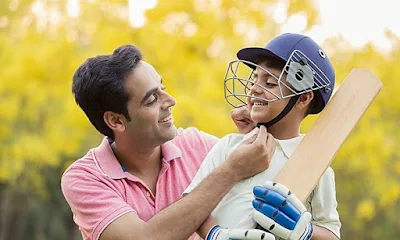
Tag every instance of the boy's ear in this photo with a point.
(114, 121)
(305, 100)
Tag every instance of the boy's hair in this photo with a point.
(275, 62)
(99, 85)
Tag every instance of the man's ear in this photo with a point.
(305, 100)
(115, 121)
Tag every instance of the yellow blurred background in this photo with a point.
(42, 130)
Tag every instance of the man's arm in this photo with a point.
(184, 217)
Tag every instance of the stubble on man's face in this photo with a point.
(149, 107)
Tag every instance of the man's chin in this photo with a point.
(170, 133)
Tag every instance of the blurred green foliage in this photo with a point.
(190, 43)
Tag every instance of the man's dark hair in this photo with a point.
(99, 85)
(275, 62)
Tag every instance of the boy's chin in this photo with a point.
(259, 117)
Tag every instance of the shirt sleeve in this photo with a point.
(323, 204)
(94, 203)
(213, 159)
(209, 139)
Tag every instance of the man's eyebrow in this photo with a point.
(148, 94)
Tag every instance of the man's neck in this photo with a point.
(138, 159)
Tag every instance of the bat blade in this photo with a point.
(317, 149)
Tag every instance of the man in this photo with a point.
(123, 189)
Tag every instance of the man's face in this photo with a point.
(149, 107)
(262, 111)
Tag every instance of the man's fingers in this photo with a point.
(241, 114)
(251, 136)
(262, 135)
(241, 118)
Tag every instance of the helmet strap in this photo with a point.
(281, 115)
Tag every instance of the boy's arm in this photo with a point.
(205, 228)
(323, 205)
(321, 233)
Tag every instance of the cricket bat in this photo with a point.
(318, 148)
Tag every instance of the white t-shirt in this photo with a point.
(237, 204)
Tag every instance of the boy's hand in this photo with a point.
(280, 212)
(241, 118)
(218, 233)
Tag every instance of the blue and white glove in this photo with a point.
(218, 233)
(280, 212)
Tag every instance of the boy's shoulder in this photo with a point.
(231, 140)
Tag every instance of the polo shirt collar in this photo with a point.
(170, 151)
(289, 145)
(109, 165)
(106, 161)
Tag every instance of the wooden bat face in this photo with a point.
(321, 143)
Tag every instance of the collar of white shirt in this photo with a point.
(289, 145)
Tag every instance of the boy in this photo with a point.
(290, 78)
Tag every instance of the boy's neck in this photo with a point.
(282, 130)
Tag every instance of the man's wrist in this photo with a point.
(231, 171)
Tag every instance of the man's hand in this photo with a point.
(218, 233)
(253, 155)
(241, 118)
(280, 212)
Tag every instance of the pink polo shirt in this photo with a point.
(99, 191)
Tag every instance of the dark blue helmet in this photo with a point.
(307, 65)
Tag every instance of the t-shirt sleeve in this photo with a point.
(209, 139)
(93, 202)
(213, 159)
(324, 205)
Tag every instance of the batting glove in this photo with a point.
(280, 212)
(218, 233)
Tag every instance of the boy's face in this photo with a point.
(263, 111)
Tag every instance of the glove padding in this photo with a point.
(280, 212)
(218, 233)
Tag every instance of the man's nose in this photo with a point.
(169, 101)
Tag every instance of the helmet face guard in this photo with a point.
(302, 76)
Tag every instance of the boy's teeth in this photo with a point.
(260, 104)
